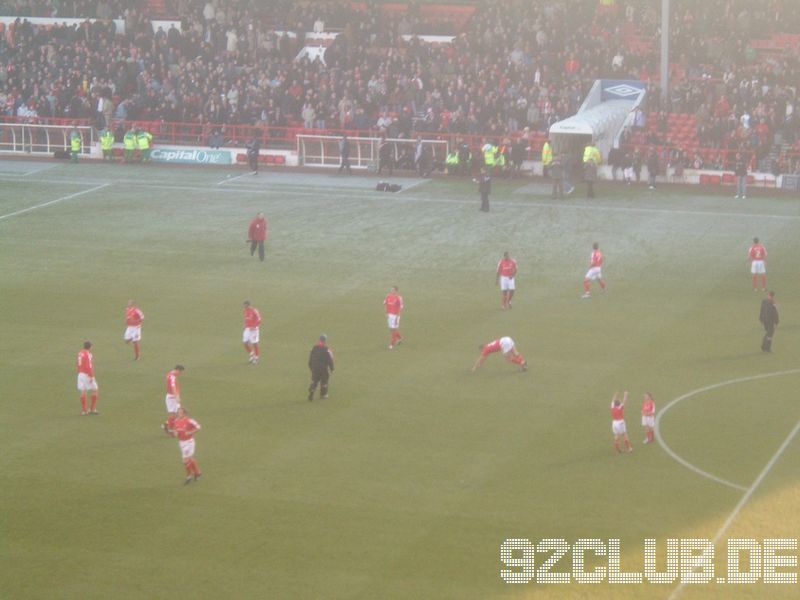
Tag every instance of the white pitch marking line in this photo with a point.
(229, 178)
(62, 199)
(687, 395)
(39, 170)
(747, 495)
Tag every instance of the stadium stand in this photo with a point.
(513, 68)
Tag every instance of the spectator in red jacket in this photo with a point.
(257, 234)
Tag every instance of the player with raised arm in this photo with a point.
(133, 327)
(648, 417)
(250, 335)
(86, 381)
(758, 257)
(185, 428)
(507, 347)
(618, 422)
(595, 272)
(506, 272)
(394, 306)
(172, 398)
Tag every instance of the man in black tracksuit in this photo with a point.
(320, 361)
(769, 319)
(484, 182)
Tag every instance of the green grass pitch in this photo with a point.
(405, 483)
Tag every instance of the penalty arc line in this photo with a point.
(746, 497)
(676, 457)
(50, 202)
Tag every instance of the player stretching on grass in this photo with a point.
(185, 428)
(595, 272)
(507, 347)
(506, 272)
(758, 255)
(618, 422)
(394, 306)
(648, 417)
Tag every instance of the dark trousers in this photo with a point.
(345, 165)
(590, 189)
(321, 378)
(558, 188)
(485, 201)
(766, 343)
(257, 244)
(253, 162)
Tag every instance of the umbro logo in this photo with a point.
(624, 90)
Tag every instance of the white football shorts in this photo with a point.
(86, 383)
(133, 333)
(250, 335)
(648, 421)
(506, 283)
(393, 321)
(618, 427)
(758, 267)
(173, 403)
(594, 273)
(506, 345)
(187, 448)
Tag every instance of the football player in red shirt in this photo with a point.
(648, 417)
(257, 234)
(252, 320)
(509, 349)
(595, 272)
(133, 329)
(394, 306)
(618, 422)
(86, 380)
(172, 398)
(185, 428)
(757, 256)
(506, 272)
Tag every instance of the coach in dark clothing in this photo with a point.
(769, 319)
(252, 154)
(320, 361)
(485, 188)
(652, 169)
(344, 150)
(556, 174)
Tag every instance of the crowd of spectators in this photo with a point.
(517, 64)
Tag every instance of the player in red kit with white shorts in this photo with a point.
(133, 327)
(250, 335)
(185, 428)
(649, 417)
(618, 422)
(172, 398)
(86, 381)
(507, 347)
(394, 306)
(758, 264)
(595, 272)
(506, 273)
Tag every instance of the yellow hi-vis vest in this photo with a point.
(129, 141)
(547, 154)
(591, 153)
(144, 140)
(488, 156)
(75, 141)
(452, 158)
(107, 140)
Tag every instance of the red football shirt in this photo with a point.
(617, 412)
(257, 230)
(173, 386)
(507, 267)
(758, 252)
(393, 303)
(252, 318)
(648, 408)
(133, 316)
(85, 363)
(596, 259)
(185, 428)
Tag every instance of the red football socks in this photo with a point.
(83, 402)
(255, 349)
(247, 347)
(94, 401)
(136, 349)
